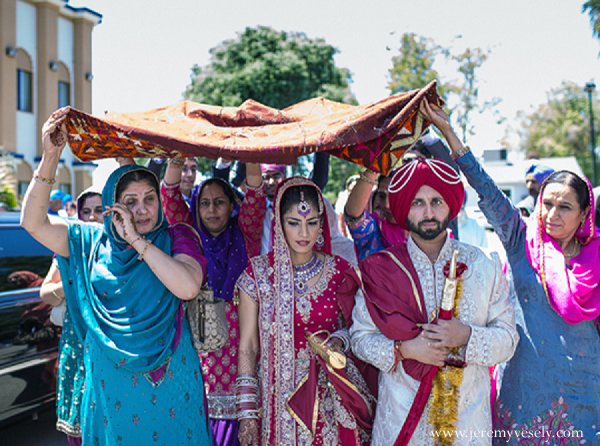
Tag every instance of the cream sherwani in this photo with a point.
(485, 306)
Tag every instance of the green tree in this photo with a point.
(592, 7)
(413, 68)
(560, 127)
(8, 195)
(467, 92)
(275, 68)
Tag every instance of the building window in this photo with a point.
(64, 94)
(24, 91)
(65, 188)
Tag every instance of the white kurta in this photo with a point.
(485, 307)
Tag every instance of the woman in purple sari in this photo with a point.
(230, 234)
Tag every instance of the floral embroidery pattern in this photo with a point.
(550, 427)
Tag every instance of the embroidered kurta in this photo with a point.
(484, 306)
(70, 378)
(552, 383)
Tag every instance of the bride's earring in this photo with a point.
(320, 239)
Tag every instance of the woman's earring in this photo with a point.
(320, 239)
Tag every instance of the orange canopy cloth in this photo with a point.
(373, 135)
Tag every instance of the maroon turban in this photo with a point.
(408, 179)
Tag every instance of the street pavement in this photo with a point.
(28, 432)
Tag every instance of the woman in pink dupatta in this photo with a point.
(284, 295)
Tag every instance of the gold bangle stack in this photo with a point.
(363, 176)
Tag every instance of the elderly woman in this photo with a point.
(127, 283)
(551, 387)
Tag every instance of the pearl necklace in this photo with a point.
(303, 273)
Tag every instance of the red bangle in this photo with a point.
(398, 358)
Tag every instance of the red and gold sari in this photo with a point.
(303, 400)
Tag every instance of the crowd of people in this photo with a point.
(382, 321)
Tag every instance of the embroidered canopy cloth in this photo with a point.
(373, 135)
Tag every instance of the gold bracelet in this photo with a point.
(133, 241)
(42, 180)
(176, 162)
(363, 176)
(462, 151)
(143, 253)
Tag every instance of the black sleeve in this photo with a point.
(320, 173)
(222, 173)
(240, 174)
(157, 166)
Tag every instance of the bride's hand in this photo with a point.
(248, 434)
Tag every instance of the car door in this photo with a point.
(28, 341)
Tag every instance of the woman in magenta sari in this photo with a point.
(284, 296)
(230, 234)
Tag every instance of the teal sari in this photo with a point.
(143, 383)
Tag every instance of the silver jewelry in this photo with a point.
(320, 239)
(303, 273)
(303, 206)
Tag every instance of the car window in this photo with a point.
(23, 261)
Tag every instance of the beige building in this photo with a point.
(45, 63)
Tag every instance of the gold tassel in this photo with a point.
(443, 402)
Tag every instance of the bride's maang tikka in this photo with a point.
(303, 207)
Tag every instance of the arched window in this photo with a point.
(24, 82)
(64, 86)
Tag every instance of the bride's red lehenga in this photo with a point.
(329, 407)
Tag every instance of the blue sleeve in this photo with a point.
(497, 207)
(366, 236)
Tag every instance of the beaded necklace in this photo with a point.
(303, 273)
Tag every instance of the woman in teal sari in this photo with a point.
(127, 284)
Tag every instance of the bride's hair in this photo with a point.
(291, 197)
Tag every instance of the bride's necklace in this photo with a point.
(306, 271)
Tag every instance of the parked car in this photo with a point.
(28, 340)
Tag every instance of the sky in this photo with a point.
(143, 50)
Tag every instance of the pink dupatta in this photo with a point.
(574, 293)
